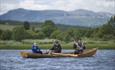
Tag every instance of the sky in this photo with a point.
(67, 5)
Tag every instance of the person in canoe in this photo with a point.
(36, 49)
(56, 47)
(78, 46)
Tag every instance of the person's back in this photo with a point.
(56, 47)
(36, 49)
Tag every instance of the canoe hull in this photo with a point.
(87, 53)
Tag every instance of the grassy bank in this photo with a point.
(26, 44)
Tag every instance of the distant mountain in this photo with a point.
(78, 17)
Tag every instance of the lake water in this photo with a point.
(103, 60)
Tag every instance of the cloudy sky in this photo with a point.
(67, 5)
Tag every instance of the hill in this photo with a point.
(79, 17)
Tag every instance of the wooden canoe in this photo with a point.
(87, 53)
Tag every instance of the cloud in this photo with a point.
(6, 7)
(30, 4)
(68, 5)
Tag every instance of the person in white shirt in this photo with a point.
(78, 46)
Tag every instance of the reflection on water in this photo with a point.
(103, 60)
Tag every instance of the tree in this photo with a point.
(33, 28)
(26, 25)
(71, 32)
(48, 28)
(56, 34)
(19, 33)
(6, 35)
(0, 32)
(107, 30)
(89, 32)
(67, 37)
(41, 35)
(35, 35)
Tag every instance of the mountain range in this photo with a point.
(80, 17)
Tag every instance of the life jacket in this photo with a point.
(56, 48)
(79, 45)
(35, 48)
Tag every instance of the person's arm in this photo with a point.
(37, 48)
(32, 47)
(84, 47)
(60, 47)
(52, 47)
(74, 46)
(51, 50)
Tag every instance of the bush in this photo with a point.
(108, 37)
(38, 41)
(6, 35)
(56, 34)
(0, 32)
(19, 33)
(48, 28)
(26, 25)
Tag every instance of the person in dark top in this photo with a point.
(78, 46)
(56, 47)
(36, 49)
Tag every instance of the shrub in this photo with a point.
(6, 35)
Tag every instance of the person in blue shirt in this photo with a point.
(36, 49)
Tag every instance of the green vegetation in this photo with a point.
(47, 43)
(107, 31)
(22, 34)
(6, 35)
(26, 25)
(48, 28)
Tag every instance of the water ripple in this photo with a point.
(103, 60)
